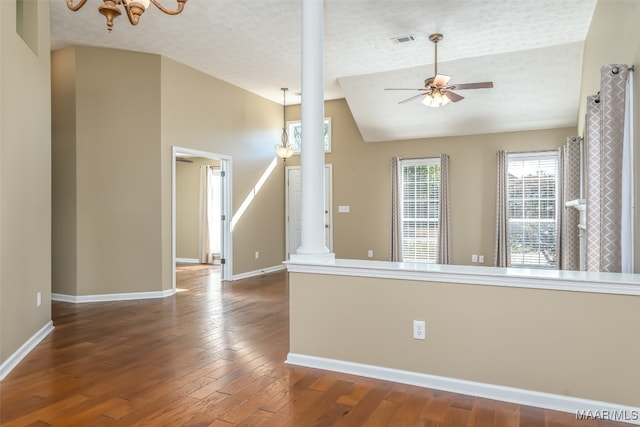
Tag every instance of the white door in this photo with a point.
(225, 231)
(293, 208)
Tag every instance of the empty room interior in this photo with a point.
(319, 212)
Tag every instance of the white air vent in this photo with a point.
(403, 39)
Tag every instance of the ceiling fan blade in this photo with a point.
(412, 98)
(482, 85)
(453, 97)
(441, 80)
(395, 88)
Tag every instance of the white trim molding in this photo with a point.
(78, 299)
(24, 350)
(555, 402)
(257, 273)
(562, 280)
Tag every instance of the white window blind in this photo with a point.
(532, 211)
(420, 195)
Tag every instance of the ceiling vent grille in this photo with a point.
(403, 39)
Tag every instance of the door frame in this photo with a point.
(227, 244)
(329, 244)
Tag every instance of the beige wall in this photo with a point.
(362, 180)
(63, 177)
(25, 186)
(188, 207)
(614, 38)
(567, 343)
(203, 113)
(579, 345)
(118, 186)
(117, 170)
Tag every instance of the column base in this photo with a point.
(323, 258)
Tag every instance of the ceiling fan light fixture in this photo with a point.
(436, 99)
(436, 91)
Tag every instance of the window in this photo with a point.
(294, 129)
(420, 196)
(532, 211)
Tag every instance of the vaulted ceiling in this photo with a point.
(531, 51)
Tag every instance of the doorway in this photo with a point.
(217, 168)
(293, 208)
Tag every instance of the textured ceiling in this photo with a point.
(531, 50)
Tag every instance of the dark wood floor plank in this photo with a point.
(482, 413)
(213, 355)
(456, 417)
(366, 405)
(382, 414)
(47, 412)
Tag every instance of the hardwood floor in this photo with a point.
(213, 355)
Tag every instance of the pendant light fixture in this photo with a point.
(284, 150)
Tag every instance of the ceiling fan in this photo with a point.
(437, 91)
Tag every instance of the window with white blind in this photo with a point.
(532, 211)
(420, 196)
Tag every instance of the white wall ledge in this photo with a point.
(574, 281)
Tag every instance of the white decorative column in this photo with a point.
(313, 247)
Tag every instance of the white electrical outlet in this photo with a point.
(38, 299)
(257, 254)
(481, 259)
(419, 330)
(474, 258)
(370, 253)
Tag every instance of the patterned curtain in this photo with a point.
(502, 256)
(444, 246)
(568, 218)
(593, 158)
(605, 137)
(627, 231)
(396, 213)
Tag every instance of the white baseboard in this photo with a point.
(259, 272)
(24, 350)
(611, 411)
(188, 260)
(77, 299)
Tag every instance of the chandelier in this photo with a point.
(133, 8)
(284, 150)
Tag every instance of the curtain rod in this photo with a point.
(419, 158)
(532, 151)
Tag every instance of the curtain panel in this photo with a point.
(567, 217)
(593, 160)
(502, 256)
(396, 211)
(444, 245)
(627, 230)
(605, 124)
